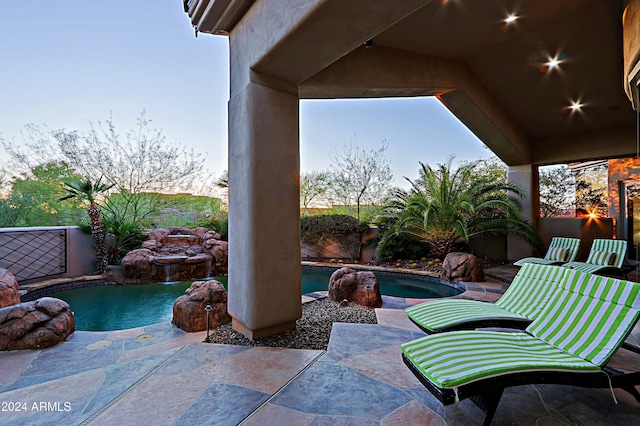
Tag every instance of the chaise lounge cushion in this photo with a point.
(459, 357)
(609, 255)
(579, 330)
(522, 302)
(556, 253)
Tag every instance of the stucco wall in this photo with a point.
(587, 229)
(35, 253)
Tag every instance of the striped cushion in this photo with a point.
(581, 327)
(438, 315)
(536, 260)
(597, 257)
(619, 247)
(590, 316)
(570, 244)
(530, 289)
(559, 254)
(524, 299)
(459, 357)
(584, 267)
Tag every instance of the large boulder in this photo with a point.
(188, 309)
(219, 250)
(35, 325)
(459, 266)
(114, 274)
(9, 294)
(358, 287)
(137, 264)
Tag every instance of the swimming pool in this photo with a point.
(127, 306)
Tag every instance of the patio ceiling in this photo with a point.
(546, 88)
(513, 61)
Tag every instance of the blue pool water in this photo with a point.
(128, 306)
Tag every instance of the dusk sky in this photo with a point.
(66, 63)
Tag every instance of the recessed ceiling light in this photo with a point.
(576, 106)
(553, 62)
(511, 18)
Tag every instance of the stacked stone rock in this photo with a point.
(31, 325)
(359, 287)
(189, 309)
(177, 254)
(459, 266)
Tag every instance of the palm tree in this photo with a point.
(85, 190)
(445, 207)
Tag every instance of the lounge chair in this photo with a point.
(561, 250)
(605, 256)
(530, 289)
(570, 342)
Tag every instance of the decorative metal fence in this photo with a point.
(34, 254)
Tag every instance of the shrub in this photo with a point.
(218, 223)
(345, 230)
(125, 236)
(402, 246)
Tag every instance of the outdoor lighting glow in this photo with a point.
(553, 62)
(592, 212)
(576, 106)
(510, 18)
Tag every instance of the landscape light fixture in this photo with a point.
(208, 309)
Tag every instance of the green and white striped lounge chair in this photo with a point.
(604, 256)
(570, 342)
(529, 291)
(561, 250)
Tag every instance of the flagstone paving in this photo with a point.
(159, 375)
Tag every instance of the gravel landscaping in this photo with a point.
(313, 329)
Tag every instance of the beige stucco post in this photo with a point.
(526, 178)
(264, 216)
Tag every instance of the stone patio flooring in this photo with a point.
(159, 375)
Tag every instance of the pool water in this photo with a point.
(128, 306)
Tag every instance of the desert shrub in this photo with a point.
(218, 223)
(345, 230)
(401, 246)
(124, 237)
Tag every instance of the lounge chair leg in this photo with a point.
(488, 403)
(632, 390)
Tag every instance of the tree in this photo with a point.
(34, 199)
(360, 175)
(4, 181)
(85, 190)
(446, 207)
(141, 162)
(592, 188)
(313, 187)
(557, 187)
(490, 168)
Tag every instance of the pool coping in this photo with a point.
(470, 290)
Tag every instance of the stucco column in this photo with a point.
(264, 213)
(526, 178)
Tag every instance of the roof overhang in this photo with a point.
(216, 16)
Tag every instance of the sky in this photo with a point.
(69, 63)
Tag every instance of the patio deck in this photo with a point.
(161, 375)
